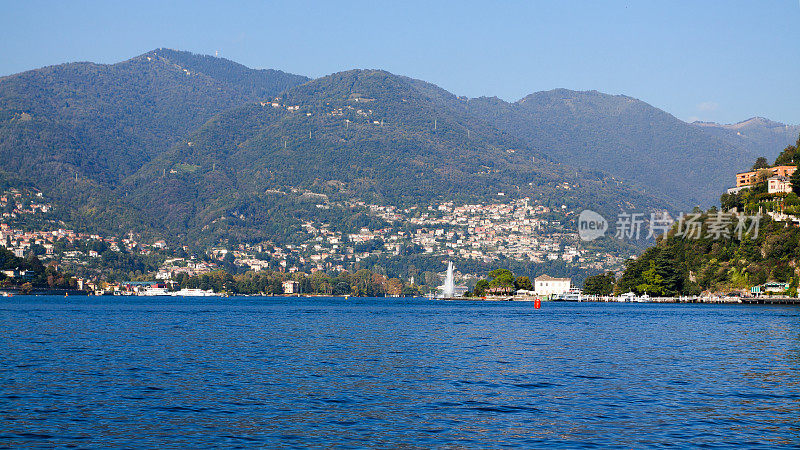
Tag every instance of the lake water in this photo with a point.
(152, 372)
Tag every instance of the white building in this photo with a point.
(546, 285)
(779, 185)
(291, 287)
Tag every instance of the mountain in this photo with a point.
(76, 130)
(630, 139)
(107, 120)
(189, 145)
(757, 135)
(364, 135)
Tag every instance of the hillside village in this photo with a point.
(518, 229)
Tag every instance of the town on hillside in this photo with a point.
(369, 260)
(516, 230)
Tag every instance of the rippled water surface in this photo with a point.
(102, 372)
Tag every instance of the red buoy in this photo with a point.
(537, 304)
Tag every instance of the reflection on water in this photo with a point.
(287, 372)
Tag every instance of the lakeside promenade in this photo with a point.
(766, 300)
(775, 300)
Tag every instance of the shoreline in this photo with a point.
(520, 299)
(704, 300)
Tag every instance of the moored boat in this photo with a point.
(187, 292)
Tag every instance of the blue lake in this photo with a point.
(269, 372)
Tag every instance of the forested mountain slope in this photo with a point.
(363, 135)
(75, 130)
(636, 142)
(173, 142)
(758, 136)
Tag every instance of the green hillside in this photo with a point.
(76, 130)
(679, 265)
(359, 135)
(176, 144)
(625, 137)
(732, 249)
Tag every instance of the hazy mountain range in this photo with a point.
(189, 145)
(757, 135)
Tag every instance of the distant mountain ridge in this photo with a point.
(760, 122)
(623, 136)
(758, 136)
(176, 142)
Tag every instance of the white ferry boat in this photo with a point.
(631, 297)
(153, 292)
(185, 292)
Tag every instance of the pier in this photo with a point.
(772, 301)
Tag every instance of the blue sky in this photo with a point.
(721, 61)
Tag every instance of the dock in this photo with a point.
(773, 300)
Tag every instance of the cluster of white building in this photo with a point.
(190, 267)
(515, 230)
(486, 232)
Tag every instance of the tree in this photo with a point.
(480, 288)
(668, 268)
(410, 291)
(602, 284)
(523, 283)
(760, 185)
(33, 263)
(502, 279)
(497, 273)
(795, 179)
(227, 262)
(792, 199)
(731, 201)
(789, 155)
(763, 175)
(394, 287)
(26, 288)
(653, 282)
(761, 163)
